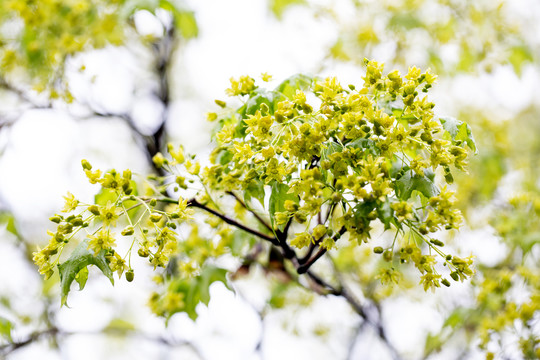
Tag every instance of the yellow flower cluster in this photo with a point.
(150, 227)
(357, 155)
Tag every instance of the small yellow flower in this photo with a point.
(242, 86)
(104, 239)
(109, 214)
(302, 240)
(71, 203)
(178, 154)
(266, 77)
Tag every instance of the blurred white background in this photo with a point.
(41, 162)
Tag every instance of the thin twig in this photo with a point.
(257, 216)
(306, 264)
(228, 220)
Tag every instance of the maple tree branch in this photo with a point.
(228, 220)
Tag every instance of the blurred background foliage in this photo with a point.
(496, 315)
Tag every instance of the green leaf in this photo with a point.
(361, 211)
(367, 145)
(278, 296)
(459, 131)
(119, 326)
(520, 55)
(468, 59)
(385, 214)
(277, 199)
(209, 275)
(406, 21)
(5, 328)
(77, 262)
(457, 318)
(255, 189)
(278, 7)
(433, 343)
(184, 20)
(131, 6)
(82, 277)
(224, 157)
(259, 97)
(331, 147)
(104, 196)
(187, 24)
(9, 220)
(241, 240)
(425, 185)
(296, 82)
(253, 104)
(196, 289)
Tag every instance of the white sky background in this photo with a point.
(42, 162)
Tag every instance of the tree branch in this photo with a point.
(228, 220)
(4, 84)
(307, 264)
(13, 346)
(54, 331)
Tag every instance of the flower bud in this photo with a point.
(128, 231)
(319, 231)
(94, 209)
(300, 217)
(436, 242)
(77, 221)
(159, 160)
(281, 218)
(130, 275)
(290, 205)
(336, 197)
(143, 252)
(264, 108)
(220, 103)
(308, 109)
(56, 219)
(378, 250)
(86, 165)
(48, 274)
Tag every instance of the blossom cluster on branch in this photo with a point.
(307, 166)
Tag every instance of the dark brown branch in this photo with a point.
(228, 220)
(306, 264)
(163, 50)
(308, 254)
(319, 285)
(304, 267)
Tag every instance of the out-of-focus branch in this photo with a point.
(23, 95)
(54, 332)
(16, 345)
